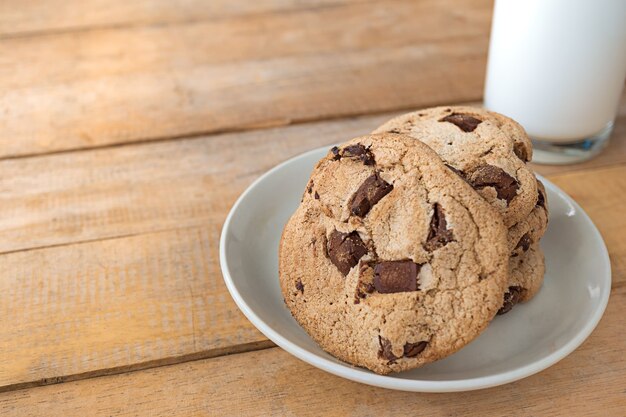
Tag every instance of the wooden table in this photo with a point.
(127, 131)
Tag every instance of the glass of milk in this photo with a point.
(558, 68)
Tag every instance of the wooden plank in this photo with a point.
(100, 306)
(104, 193)
(589, 382)
(32, 17)
(129, 84)
(113, 305)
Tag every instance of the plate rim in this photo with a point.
(364, 376)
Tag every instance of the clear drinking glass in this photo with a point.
(558, 68)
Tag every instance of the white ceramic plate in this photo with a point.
(530, 338)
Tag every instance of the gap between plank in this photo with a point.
(239, 129)
(174, 360)
(100, 239)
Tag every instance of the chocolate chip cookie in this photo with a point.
(526, 266)
(392, 260)
(486, 149)
(528, 231)
(526, 273)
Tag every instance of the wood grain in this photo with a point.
(102, 306)
(104, 193)
(34, 18)
(114, 305)
(602, 194)
(128, 84)
(589, 382)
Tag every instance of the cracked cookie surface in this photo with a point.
(487, 149)
(392, 261)
(526, 265)
(526, 273)
(531, 229)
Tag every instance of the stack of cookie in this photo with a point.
(491, 152)
(409, 241)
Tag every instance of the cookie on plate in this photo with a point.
(488, 149)
(525, 278)
(528, 231)
(526, 266)
(392, 260)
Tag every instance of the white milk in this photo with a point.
(557, 66)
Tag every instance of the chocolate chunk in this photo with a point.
(490, 176)
(541, 199)
(395, 130)
(362, 291)
(354, 151)
(465, 122)
(300, 286)
(360, 152)
(385, 350)
(511, 297)
(411, 350)
(345, 250)
(439, 234)
(520, 151)
(316, 195)
(365, 285)
(523, 243)
(396, 276)
(369, 193)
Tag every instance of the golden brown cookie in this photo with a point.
(526, 266)
(526, 273)
(487, 149)
(392, 260)
(528, 231)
